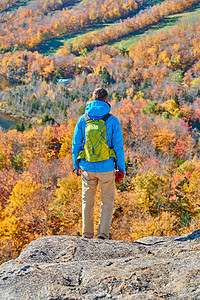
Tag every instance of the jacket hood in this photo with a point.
(97, 109)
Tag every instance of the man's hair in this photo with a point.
(100, 94)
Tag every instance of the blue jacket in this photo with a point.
(96, 110)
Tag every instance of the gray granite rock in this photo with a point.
(65, 267)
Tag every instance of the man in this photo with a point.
(103, 171)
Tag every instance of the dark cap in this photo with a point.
(100, 94)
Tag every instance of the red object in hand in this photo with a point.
(78, 172)
(119, 176)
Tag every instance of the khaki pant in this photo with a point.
(90, 181)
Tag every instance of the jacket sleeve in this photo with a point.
(78, 138)
(118, 145)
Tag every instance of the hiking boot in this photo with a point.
(87, 237)
(101, 237)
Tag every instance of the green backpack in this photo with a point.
(96, 147)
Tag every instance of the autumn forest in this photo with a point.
(154, 91)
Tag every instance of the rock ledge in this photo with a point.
(66, 267)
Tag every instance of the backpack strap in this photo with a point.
(87, 118)
(105, 118)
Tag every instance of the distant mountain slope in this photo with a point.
(143, 20)
(41, 22)
(14, 5)
(7, 5)
(167, 23)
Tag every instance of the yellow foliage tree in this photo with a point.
(32, 145)
(191, 188)
(21, 217)
(162, 225)
(151, 192)
(11, 144)
(66, 206)
(65, 136)
(163, 138)
(170, 106)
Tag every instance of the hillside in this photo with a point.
(154, 91)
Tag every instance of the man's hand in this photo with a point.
(119, 175)
(78, 172)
